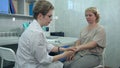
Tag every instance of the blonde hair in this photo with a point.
(95, 12)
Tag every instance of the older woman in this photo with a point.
(91, 43)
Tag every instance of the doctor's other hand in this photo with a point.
(69, 55)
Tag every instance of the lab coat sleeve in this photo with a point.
(50, 47)
(39, 49)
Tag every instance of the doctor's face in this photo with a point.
(47, 18)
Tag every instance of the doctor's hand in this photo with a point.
(69, 55)
(70, 49)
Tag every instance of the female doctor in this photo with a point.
(33, 49)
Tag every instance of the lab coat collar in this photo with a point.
(38, 27)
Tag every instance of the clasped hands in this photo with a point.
(70, 53)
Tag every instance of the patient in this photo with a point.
(91, 43)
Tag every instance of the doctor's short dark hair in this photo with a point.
(43, 7)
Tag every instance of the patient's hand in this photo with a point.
(68, 53)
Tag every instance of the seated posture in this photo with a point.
(33, 48)
(91, 43)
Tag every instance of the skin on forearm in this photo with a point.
(65, 54)
(87, 46)
(77, 43)
(57, 57)
(62, 49)
(55, 49)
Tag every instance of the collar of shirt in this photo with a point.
(37, 25)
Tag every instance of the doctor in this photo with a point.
(33, 49)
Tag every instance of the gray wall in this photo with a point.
(8, 25)
(72, 20)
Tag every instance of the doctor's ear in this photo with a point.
(40, 15)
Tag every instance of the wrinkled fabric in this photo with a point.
(33, 49)
(98, 35)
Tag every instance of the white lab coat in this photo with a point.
(33, 49)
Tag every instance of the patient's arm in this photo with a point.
(88, 45)
(77, 43)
